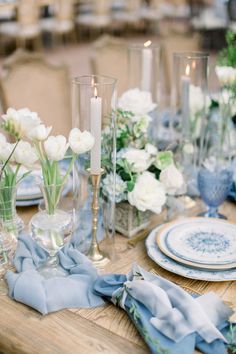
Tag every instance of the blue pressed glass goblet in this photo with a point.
(214, 186)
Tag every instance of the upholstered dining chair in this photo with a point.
(130, 15)
(98, 19)
(27, 80)
(27, 25)
(110, 57)
(62, 23)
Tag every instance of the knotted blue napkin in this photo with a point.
(48, 295)
(169, 319)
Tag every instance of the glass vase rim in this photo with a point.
(10, 187)
(108, 80)
(191, 55)
(140, 46)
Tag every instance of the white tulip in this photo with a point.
(137, 102)
(139, 160)
(148, 193)
(80, 142)
(3, 139)
(40, 132)
(25, 154)
(172, 179)
(5, 151)
(21, 121)
(55, 147)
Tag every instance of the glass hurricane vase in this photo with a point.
(51, 228)
(94, 105)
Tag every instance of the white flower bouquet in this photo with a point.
(49, 150)
(226, 73)
(144, 175)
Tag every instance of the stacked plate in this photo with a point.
(197, 248)
(29, 193)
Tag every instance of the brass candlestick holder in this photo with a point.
(98, 258)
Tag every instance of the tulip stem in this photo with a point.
(8, 159)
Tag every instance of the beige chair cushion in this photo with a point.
(29, 81)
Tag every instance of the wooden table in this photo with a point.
(105, 329)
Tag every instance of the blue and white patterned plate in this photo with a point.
(34, 196)
(169, 264)
(203, 241)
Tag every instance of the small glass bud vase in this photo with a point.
(8, 243)
(94, 104)
(51, 228)
(9, 219)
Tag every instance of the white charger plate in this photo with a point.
(188, 272)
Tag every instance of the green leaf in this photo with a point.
(163, 159)
(130, 186)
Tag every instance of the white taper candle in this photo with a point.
(96, 126)
(146, 67)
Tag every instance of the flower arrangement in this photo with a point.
(144, 175)
(15, 158)
(45, 148)
(226, 73)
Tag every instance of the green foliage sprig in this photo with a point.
(227, 56)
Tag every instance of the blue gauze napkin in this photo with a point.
(166, 316)
(48, 295)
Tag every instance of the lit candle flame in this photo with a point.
(147, 44)
(92, 81)
(194, 64)
(187, 70)
(95, 92)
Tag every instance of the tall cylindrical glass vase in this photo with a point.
(94, 104)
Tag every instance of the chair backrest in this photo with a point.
(64, 9)
(110, 57)
(28, 12)
(133, 5)
(102, 7)
(29, 81)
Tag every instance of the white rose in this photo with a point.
(226, 74)
(136, 101)
(80, 142)
(40, 133)
(5, 151)
(22, 121)
(148, 194)
(25, 154)
(138, 159)
(172, 179)
(56, 147)
(151, 149)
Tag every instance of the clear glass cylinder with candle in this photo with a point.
(189, 104)
(145, 74)
(94, 104)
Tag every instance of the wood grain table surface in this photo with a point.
(106, 329)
